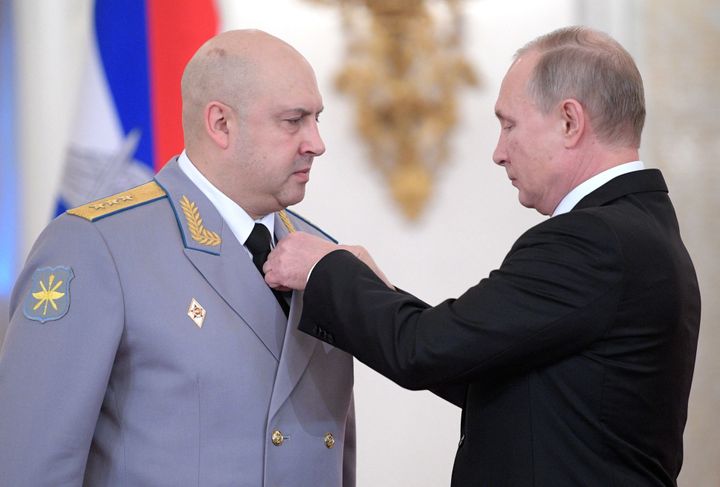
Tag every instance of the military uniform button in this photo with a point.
(277, 438)
(329, 440)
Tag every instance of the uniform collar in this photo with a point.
(240, 223)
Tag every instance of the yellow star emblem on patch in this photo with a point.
(49, 296)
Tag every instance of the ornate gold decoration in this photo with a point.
(195, 224)
(403, 70)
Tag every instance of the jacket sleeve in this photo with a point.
(54, 373)
(452, 393)
(555, 293)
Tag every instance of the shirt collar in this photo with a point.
(586, 187)
(240, 223)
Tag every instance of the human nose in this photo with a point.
(313, 144)
(499, 155)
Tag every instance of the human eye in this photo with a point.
(292, 123)
(506, 124)
(295, 118)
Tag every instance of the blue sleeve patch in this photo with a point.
(49, 297)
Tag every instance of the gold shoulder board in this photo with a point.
(119, 202)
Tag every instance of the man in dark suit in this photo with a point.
(572, 361)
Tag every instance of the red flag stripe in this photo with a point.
(176, 28)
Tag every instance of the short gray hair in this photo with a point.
(593, 68)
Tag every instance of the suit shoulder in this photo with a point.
(312, 225)
(134, 197)
(582, 220)
(579, 228)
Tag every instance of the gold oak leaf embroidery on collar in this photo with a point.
(195, 224)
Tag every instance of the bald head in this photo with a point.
(251, 105)
(231, 68)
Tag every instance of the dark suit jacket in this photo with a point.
(572, 361)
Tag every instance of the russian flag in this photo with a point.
(129, 119)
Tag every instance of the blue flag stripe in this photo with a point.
(8, 165)
(122, 39)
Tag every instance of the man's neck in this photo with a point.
(600, 161)
(578, 192)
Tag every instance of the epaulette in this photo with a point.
(116, 203)
(311, 224)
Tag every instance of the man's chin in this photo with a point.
(525, 202)
(294, 198)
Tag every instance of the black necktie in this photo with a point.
(258, 243)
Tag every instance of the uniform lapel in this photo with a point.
(224, 263)
(297, 348)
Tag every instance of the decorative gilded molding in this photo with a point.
(404, 67)
(195, 224)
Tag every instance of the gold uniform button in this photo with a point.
(277, 438)
(329, 440)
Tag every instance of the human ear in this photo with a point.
(217, 116)
(573, 118)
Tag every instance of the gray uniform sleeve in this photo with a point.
(65, 327)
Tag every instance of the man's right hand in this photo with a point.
(288, 266)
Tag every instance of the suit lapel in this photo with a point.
(297, 348)
(224, 263)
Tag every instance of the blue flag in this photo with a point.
(8, 164)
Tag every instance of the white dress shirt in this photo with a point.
(585, 188)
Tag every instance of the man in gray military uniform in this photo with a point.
(144, 347)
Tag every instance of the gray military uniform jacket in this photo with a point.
(145, 349)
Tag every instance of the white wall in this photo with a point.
(51, 39)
